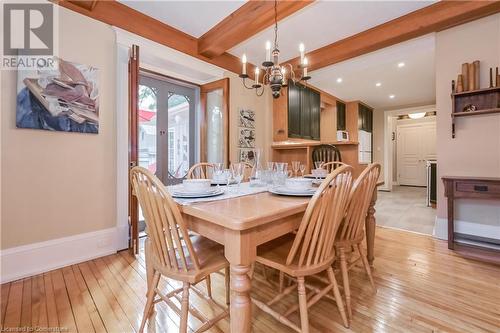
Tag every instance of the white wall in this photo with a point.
(476, 149)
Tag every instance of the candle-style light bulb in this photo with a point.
(302, 50)
(304, 74)
(268, 51)
(244, 61)
(257, 71)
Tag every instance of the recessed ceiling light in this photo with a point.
(401, 64)
(378, 84)
(392, 96)
(339, 80)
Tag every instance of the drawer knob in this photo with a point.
(481, 188)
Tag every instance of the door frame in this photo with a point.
(389, 127)
(205, 89)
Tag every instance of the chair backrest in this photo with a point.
(326, 153)
(330, 166)
(314, 242)
(167, 232)
(201, 171)
(352, 227)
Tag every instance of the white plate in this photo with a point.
(219, 182)
(205, 194)
(314, 177)
(293, 192)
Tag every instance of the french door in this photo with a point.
(166, 136)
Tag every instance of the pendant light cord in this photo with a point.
(276, 24)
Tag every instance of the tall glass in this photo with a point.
(295, 167)
(218, 172)
(237, 170)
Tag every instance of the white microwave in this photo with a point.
(342, 136)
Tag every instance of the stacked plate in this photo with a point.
(183, 192)
(299, 187)
(293, 192)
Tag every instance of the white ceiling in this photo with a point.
(412, 84)
(323, 23)
(192, 17)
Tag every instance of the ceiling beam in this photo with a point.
(251, 18)
(116, 14)
(433, 18)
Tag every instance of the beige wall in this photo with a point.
(242, 98)
(57, 184)
(476, 149)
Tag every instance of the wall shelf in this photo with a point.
(486, 101)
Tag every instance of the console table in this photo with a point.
(487, 188)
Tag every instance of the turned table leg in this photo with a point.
(241, 305)
(370, 224)
(240, 251)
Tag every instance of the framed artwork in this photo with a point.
(66, 99)
(247, 118)
(247, 155)
(246, 138)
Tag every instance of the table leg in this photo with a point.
(241, 305)
(240, 251)
(370, 224)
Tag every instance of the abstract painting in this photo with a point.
(66, 99)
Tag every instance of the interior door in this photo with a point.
(133, 212)
(214, 140)
(415, 145)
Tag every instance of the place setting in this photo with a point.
(195, 188)
(294, 186)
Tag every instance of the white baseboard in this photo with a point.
(32, 259)
(464, 227)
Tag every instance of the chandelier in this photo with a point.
(275, 75)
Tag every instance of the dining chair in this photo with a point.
(326, 153)
(173, 253)
(351, 232)
(330, 166)
(310, 251)
(201, 170)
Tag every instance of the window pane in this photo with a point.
(147, 127)
(178, 136)
(215, 127)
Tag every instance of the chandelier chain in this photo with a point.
(276, 24)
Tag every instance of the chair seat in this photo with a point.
(210, 258)
(275, 253)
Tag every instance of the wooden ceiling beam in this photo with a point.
(116, 14)
(251, 18)
(433, 18)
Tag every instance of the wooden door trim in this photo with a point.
(133, 144)
(204, 89)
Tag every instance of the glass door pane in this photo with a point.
(147, 127)
(179, 136)
(215, 127)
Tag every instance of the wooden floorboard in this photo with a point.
(421, 287)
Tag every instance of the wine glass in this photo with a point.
(237, 170)
(227, 176)
(218, 171)
(295, 167)
(302, 168)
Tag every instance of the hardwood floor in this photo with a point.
(422, 287)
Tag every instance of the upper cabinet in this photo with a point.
(365, 118)
(341, 116)
(304, 112)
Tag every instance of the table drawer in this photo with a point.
(479, 188)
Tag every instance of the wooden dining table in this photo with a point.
(243, 223)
